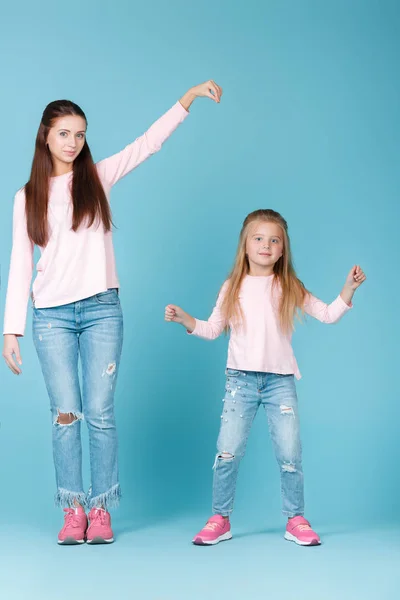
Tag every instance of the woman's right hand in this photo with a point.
(176, 314)
(11, 353)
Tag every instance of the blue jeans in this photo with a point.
(245, 392)
(92, 329)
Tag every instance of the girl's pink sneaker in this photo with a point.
(75, 525)
(298, 530)
(216, 530)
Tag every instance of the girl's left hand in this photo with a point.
(355, 278)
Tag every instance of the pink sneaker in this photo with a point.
(216, 530)
(75, 525)
(99, 530)
(298, 530)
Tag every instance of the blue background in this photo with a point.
(308, 125)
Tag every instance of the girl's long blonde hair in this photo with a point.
(293, 292)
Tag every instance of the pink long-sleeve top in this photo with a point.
(259, 344)
(73, 265)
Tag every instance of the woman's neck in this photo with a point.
(60, 168)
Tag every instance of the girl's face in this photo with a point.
(66, 139)
(264, 247)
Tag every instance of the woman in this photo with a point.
(64, 210)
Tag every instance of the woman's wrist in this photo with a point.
(188, 99)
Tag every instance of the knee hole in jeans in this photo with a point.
(66, 418)
(225, 455)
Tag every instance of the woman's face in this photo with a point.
(66, 139)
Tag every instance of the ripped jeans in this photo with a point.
(245, 392)
(91, 329)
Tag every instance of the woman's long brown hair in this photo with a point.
(293, 292)
(89, 201)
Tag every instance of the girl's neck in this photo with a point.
(255, 271)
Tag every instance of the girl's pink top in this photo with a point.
(259, 343)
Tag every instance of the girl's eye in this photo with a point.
(258, 239)
(63, 133)
(80, 136)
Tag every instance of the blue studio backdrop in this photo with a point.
(308, 125)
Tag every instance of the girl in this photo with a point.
(258, 304)
(64, 209)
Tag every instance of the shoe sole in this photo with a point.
(292, 538)
(197, 541)
(70, 541)
(100, 540)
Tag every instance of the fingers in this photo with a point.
(171, 309)
(218, 90)
(209, 89)
(361, 279)
(8, 357)
(358, 275)
(18, 356)
(170, 312)
(213, 91)
(212, 95)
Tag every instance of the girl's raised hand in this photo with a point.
(356, 277)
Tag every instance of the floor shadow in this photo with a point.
(269, 531)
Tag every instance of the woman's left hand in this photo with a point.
(208, 89)
(355, 278)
